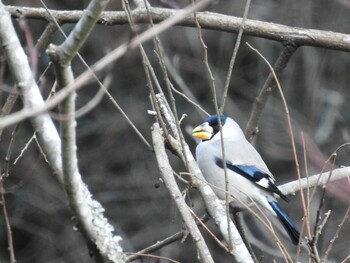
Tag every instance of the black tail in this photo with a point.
(286, 222)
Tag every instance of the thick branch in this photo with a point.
(207, 20)
(315, 180)
(97, 227)
(18, 63)
(81, 31)
(99, 65)
(92, 222)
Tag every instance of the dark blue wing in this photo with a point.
(253, 174)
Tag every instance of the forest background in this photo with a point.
(118, 166)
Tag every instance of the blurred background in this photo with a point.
(121, 171)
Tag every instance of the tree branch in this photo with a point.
(315, 180)
(31, 96)
(157, 245)
(94, 223)
(7, 224)
(98, 66)
(269, 86)
(69, 48)
(45, 37)
(208, 20)
(167, 175)
(95, 229)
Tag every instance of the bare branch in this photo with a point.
(208, 20)
(156, 246)
(170, 183)
(233, 57)
(96, 99)
(94, 223)
(346, 259)
(94, 226)
(45, 37)
(81, 31)
(315, 180)
(6, 221)
(8, 106)
(117, 53)
(217, 111)
(32, 99)
(336, 235)
(269, 86)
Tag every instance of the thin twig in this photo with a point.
(272, 71)
(46, 36)
(336, 235)
(208, 230)
(269, 85)
(24, 149)
(97, 98)
(186, 92)
(154, 256)
(191, 101)
(325, 179)
(318, 225)
(159, 244)
(238, 219)
(307, 214)
(9, 149)
(7, 221)
(312, 244)
(323, 223)
(141, 3)
(8, 106)
(33, 137)
(234, 55)
(217, 111)
(33, 57)
(323, 194)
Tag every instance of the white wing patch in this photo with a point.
(264, 182)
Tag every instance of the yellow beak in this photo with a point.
(203, 131)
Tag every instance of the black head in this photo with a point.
(214, 122)
(207, 130)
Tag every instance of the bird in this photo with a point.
(249, 179)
